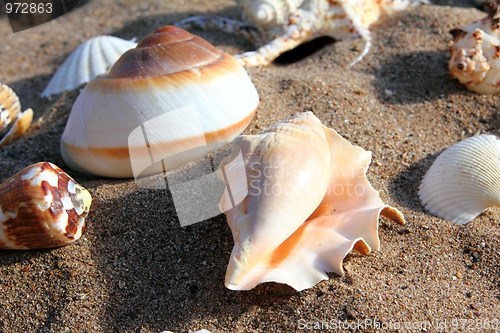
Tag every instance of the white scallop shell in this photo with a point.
(464, 180)
(89, 60)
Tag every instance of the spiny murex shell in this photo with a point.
(309, 203)
(173, 93)
(281, 25)
(13, 122)
(464, 180)
(41, 207)
(475, 54)
(89, 60)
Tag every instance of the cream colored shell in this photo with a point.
(464, 180)
(171, 100)
(309, 203)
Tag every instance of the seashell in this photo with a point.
(269, 13)
(475, 59)
(309, 204)
(285, 24)
(41, 207)
(89, 60)
(174, 86)
(464, 180)
(13, 122)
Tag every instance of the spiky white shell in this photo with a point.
(475, 54)
(89, 60)
(309, 203)
(464, 180)
(161, 101)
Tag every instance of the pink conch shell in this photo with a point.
(309, 203)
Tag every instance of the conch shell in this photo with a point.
(464, 180)
(13, 122)
(41, 207)
(309, 203)
(171, 94)
(475, 55)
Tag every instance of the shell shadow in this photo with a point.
(153, 265)
(403, 188)
(414, 78)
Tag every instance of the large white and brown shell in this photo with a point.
(464, 180)
(171, 94)
(13, 122)
(309, 204)
(41, 207)
(475, 54)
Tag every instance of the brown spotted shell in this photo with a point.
(41, 207)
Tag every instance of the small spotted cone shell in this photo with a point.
(41, 207)
(464, 180)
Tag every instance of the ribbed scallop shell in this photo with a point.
(464, 180)
(309, 204)
(13, 122)
(172, 94)
(41, 207)
(89, 60)
(475, 54)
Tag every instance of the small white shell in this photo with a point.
(475, 54)
(89, 60)
(464, 180)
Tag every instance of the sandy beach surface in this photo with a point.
(137, 270)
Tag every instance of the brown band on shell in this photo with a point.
(123, 152)
(168, 50)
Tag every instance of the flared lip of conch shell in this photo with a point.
(41, 207)
(344, 222)
(86, 148)
(464, 180)
(90, 59)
